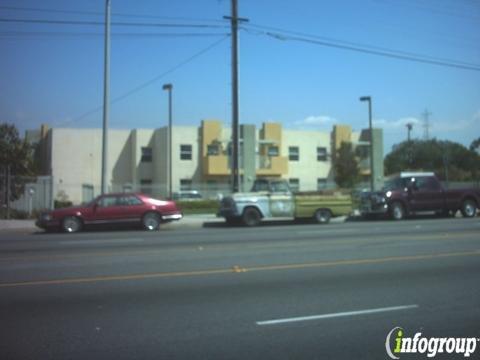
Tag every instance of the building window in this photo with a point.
(146, 154)
(213, 149)
(273, 151)
(321, 184)
(87, 193)
(185, 152)
(294, 184)
(293, 153)
(321, 154)
(146, 186)
(185, 184)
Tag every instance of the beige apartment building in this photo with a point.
(138, 159)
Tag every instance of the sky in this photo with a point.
(303, 63)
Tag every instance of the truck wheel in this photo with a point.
(469, 208)
(322, 216)
(397, 211)
(71, 224)
(151, 221)
(251, 217)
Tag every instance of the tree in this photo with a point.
(346, 166)
(475, 145)
(449, 160)
(15, 159)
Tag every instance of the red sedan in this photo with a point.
(111, 209)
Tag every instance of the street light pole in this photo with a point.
(106, 89)
(369, 100)
(409, 129)
(169, 88)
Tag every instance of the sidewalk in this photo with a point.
(196, 221)
(17, 225)
(190, 221)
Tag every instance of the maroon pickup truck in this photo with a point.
(416, 192)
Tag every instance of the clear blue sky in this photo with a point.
(53, 73)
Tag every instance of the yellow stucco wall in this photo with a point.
(341, 133)
(213, 165)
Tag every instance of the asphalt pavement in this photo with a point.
(278, 291)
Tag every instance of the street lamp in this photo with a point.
(369, 100)
(169, 87)
(409, 129)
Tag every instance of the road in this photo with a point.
(279, 291)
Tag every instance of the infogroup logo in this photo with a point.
(397, 343)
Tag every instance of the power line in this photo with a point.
(284, 35)
(432, 9)
(96, 13)
(101, 23)
(20, 34)
(364, 46)
(147, 83)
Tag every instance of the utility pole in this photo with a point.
(409, 129)
(409, 151)
(234, 20)
(426, 124)
(106, 90)
(169, 87)
(8, 189)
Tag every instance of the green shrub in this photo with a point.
(58, 204)
(198, 206)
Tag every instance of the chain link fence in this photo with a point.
(26, 196)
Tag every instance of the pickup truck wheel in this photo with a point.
(151, 221)
(251, 217)
(322, 216)
(469, 208)
(397, 211)
(71, 224)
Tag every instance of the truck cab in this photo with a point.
(281, 202)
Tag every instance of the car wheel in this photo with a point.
(151, 221)
(251, 217)
(71, 224)
(322, 216)
(397, 211)
(469, 208)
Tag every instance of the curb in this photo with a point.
(197, 221)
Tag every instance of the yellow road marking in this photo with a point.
(238, 269)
